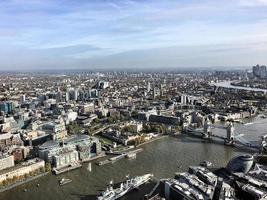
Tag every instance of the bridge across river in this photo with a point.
(231, 137)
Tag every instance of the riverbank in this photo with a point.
(23, 182)
(85, 161)
(163, 157)
(152, 140)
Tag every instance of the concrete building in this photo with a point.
(75, 149)
(164, 119)
(7, 107)
(71, 116)
(20, 153)
(67, 96)
(22, 98)
(65, 157)
(87, 147)
(6, 161)
(56, 129)
(144, 116)
(260, 71)
(123, 138)
(7, 140)
(87, 108)
(102, 84)
(136, 127)
(21, 170)
(85, 95)
(148, 87)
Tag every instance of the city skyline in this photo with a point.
(132, 34)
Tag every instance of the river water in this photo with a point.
(227, 84)
(162, 157)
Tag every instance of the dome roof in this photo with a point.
(242, 163)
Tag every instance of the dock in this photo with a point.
(120, 156)
(66, 169)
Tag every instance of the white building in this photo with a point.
(6, 162)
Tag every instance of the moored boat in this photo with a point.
(131, 183)
(64, 181)
(205, 163)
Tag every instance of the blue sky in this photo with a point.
(71, 34)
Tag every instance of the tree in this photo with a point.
(96, 120)
(134, 114)
(27, 175)
(73, 128)
(5, 182)
(147, 128)
(47, 167)
(110, 119)
(42, 170)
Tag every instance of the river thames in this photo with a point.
(162, 157)
(227, 84)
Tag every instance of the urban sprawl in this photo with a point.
(53, 123)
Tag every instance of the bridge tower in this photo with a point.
(207, 128)
(230, 130)
(263, 144)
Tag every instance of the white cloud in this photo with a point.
(117, 26)
(253, 3)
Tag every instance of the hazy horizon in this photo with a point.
(132, 34)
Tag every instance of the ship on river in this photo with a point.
(131, 183)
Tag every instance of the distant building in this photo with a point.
(136, 127)
(118, 136)
(156, 92)
(260, 71)
(183, 99)
(7, 107)
(22, 98)
(148, 87)
(7, 140)
(144, 116)
(164, 119)
(85, 95)
(56, 129)
(20, 153)
(71, 116)
(67, 96)
(76, 94)
(102, 84)
(87, 108)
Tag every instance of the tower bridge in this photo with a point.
(230, 131)
(231, 137)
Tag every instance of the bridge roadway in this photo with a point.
(238, 139)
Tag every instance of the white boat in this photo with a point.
(205, 163)
(64, 181)
(125, 187)
(89, 167)
(263, 116)
(131, 156)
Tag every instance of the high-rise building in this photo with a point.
(102, 84)
(260, 71)
(148, 87)
(76, 93)
(7, 107)
(22, 98)
(183, 99)
(67, 97)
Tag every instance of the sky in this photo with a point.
(98, 34)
